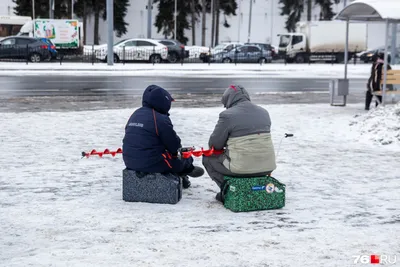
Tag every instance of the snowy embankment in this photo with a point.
(381, 125)
(58, 209)
(189, 70)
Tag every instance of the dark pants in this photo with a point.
(368, 99)
(180, 167)
(216, 170)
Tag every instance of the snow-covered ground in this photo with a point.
(57, 209)
(381, 125)
(189, 70)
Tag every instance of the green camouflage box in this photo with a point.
(250, 194)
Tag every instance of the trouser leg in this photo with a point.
(215, 169)
(368, 99)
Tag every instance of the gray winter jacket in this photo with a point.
(243, 129)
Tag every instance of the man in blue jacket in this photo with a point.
(150, 144)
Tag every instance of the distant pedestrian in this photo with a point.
(375, 79)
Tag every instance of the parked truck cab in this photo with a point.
(293, 45)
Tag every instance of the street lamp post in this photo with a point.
(175, 16)
(33, 9)
(250, 12)
(110, 32)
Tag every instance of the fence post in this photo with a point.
(92, 54)
(27, 54)
(123, 55)
(236, 52)
(285, 57)
(209, 56)
(355, 57)
(154, 50)
(182, 55)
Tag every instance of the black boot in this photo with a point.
(218, 197)
(196, 172)
(185, 182)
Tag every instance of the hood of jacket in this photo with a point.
(233, 95)
(157, 98)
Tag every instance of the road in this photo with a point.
(80, 92)
(123, 85)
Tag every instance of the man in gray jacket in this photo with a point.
(243, 130)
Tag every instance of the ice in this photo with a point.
(57, 209)
(189, 70)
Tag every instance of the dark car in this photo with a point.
(16, 47)
(267, 47)
(368, 55)
(176, 50)
(51, 47)
(243, 54)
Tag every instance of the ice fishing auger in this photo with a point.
(184, 152)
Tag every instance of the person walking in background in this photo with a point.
(375, 79)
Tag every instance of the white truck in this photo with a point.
(322, 41)
(65, 34)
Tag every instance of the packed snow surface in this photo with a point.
(57, 209)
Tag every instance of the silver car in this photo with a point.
(244, 54)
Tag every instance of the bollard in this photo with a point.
(333, 51)
(261, 56)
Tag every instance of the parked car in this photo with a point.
(366, 56)
(223, 47)
(135, 50)
(244, 54)
(51, 47)
(175, 50)
(195, 51)
(15, 47)
(265, 47)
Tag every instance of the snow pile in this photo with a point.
(380, 125)
(57, 209)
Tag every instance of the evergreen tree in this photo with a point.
(165, 18)
(24, 8)
(120, 11)
(293, 10)
(326, 9)
(97, 8)
(228, 8)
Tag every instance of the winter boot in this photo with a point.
(197, 172)
(185, 182)
(218, 197)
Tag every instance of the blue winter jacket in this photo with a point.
(150, 143)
